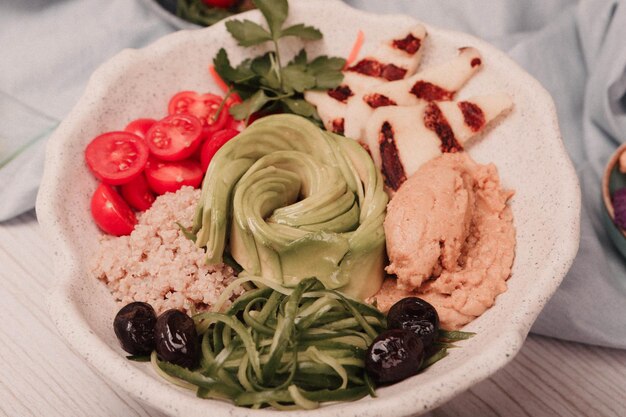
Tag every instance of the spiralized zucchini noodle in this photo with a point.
(282, 347)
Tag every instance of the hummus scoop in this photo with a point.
(450, 239)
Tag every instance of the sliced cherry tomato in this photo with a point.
(111, 212)
(116, 157)
(138, 194)
(224, 4)
(175, 138)
(213, 144)
(164, 177)
(140, 127)
(238, 125)
(203, 106)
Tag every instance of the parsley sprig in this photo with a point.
(263, 83)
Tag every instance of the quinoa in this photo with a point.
(157, 264)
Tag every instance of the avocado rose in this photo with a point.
(291, 201)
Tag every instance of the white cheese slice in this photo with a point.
(424, 131)
(333, 111)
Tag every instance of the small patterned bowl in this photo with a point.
(525, 146)
(613, 180)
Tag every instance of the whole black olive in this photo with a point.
(134, 328)
(417, 315)
(394, 355)
(176, 339)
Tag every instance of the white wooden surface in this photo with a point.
(41, 376)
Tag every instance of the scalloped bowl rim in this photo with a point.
(76, 330)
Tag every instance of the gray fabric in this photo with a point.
(577, 49)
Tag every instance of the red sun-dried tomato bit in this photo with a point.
(435, 120)
(430, 92)
(392, 168)
(472, 115)
(341, 93)
(374, 68)
(376, 100)
(409, 44)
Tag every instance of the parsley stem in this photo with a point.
(221, 107)
(279, 65)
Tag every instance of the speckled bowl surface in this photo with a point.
(526, 147)
(613, 180)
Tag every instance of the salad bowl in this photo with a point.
(525, 146)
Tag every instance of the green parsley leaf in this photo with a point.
(299, 106)
(275, 13)
(264, 66)
(299, 59)
(238, 75)
(328, 80)
(248, 33)
(263, 83)
(300, 30)
(327, 71)
(244, 110)
(296, 78)
(325, 63)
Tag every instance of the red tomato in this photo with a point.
(203, 106)
(224, 4)
(111, 212)
(116, 157)
(213, 144)
(174, 138)
(138, 194)
(164, 177)
(140, 127)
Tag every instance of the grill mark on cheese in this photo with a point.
(374, 68)
(472, 115)
(437, 122)
(410, 44)
(430, 92)
(376, 100)
(392, 169)
(341, 93)
(338, 125)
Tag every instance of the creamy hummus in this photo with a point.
(450, 239)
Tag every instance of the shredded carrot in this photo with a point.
(218, 80)
(356, 48)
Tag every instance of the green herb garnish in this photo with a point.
(264, 83)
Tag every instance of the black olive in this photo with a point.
(176, 339)
(417, 315)
(394, 355)
(134, 328)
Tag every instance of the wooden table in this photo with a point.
(41, 376)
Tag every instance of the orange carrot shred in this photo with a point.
(356, 48)
(218, 80)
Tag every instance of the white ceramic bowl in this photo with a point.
(526, 147)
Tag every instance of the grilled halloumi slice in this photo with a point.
(436, 83)
(402, 138)
(394, 59)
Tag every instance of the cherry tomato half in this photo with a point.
(164, 177)
(224, 4)
(111, 213)
(137, 193)
(213, 144)
(116, 157)
(175, 138)
(203, 106)
(140, 127)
